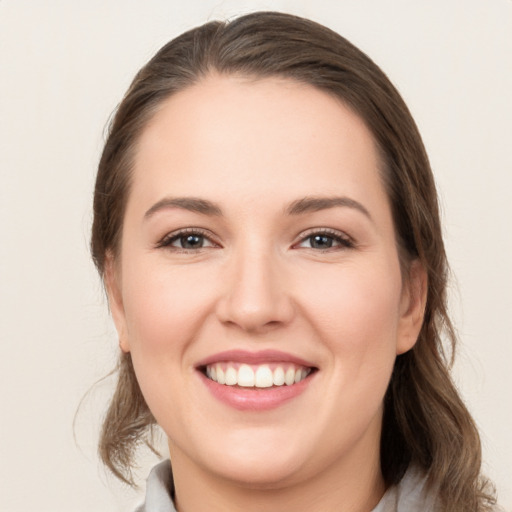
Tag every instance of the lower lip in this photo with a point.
(255, 399)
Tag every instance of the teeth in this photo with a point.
(259, 376)
(231, 377)
(289, 378)
(278, 376)
(264, 377)
(245, 376)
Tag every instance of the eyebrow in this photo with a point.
(192, 204)
(315, 204)
(298, 207)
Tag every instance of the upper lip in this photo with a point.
(260, 357)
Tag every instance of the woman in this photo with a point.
(266, 224)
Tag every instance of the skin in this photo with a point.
(253, 147)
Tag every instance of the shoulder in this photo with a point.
(414, 494)
(159, 490)
(410, 495)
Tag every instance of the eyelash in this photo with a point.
(169, 239)
(343, 241)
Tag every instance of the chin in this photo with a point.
(259, 474)
(271, 459)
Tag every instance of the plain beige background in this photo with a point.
(64, 66)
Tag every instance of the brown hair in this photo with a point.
(425, 421)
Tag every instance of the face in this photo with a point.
(258, 287)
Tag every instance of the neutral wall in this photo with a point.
(63, 67)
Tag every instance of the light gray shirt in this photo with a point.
(408, 496)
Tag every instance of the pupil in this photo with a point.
(191, 241)
(321, 242)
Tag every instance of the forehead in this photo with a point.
(257, 139)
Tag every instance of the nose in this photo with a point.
(256, 297)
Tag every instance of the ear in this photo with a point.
(115, 300)
(412, 307)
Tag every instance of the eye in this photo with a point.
(325, 240)
(187, 240)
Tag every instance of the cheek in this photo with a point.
(163, 305)
(356, 317)
(356, 309)
(164, 308)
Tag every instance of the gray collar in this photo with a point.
(159, 490)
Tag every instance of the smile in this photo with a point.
(256, 376)
(256, 381)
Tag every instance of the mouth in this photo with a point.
(257, 376)
(256, 381)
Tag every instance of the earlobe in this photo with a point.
(115, 300)
(414, 299)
